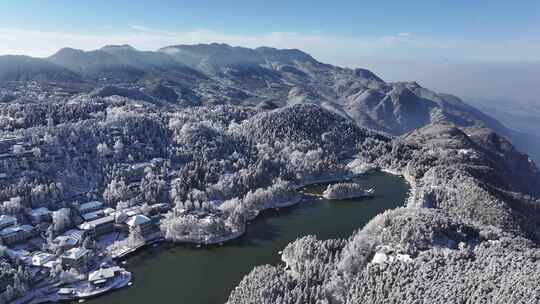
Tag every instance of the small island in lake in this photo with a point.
(343, 191)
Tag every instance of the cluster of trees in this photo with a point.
(189, 227)
(472, 240)
(27, 115)
(451, 262)
(223, 165)
(14, 280)
(344, 191)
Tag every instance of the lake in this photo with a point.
(185, 274)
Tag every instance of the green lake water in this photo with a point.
(185, 274)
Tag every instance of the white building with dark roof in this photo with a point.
(99, 226)
(40, 259)
(75, 258)
(103, 275)
(140, 221)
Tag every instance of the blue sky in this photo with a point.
(453, 19)
(335, 31)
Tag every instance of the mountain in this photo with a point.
(213, 58)
(215, 73)
(147, 61)
(123, 63)
(24, 68)
(243, 129)
(521, 117)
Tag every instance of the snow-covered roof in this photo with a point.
(51, 264)
(133, 212)
(103, 274)
(90, 216)
(137, 220)
(15, 229)
(19, 254)
(40, 211)
(74, 233)
(75, 253)
(66, 240)
(109, 211)
(140, 165)
(90, 205)
(7, 220)
(40, 258)
(27, 228)
(95, 223)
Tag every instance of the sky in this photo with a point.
(381, 35)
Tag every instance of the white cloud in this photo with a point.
(140, 28)
(341, 50)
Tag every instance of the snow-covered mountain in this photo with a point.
(221, 74)
(24, 68)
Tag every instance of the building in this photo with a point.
(132, 211)
(40, 259)
(66, 242)
(75, 233)
(142, 222)
(19, 255)
(90, 216)
(101, 276)
(40, 215)
(16, 234)
(6, 221)
(99, 226)
(75, 258)
(7, 142)
(159, 208)
(109, 211)
(90, 207)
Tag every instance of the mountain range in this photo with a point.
(205, 74)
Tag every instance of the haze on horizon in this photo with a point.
(477, 50)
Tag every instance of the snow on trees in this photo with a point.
(341, 191)
(61, 220)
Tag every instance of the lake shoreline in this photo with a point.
(294, 201)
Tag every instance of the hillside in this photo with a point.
(204, 138)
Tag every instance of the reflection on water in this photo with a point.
(184, 274)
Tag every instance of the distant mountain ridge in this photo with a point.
(218, 73)
(23, 68)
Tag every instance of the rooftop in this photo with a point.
(66, 240)
(14, 229)
(103, 274)
(137, 220)
(7, 220)
(40, 258)
(90, 205)
(109, 211)
(40, 211)
(98, 222)
(74, 233)
(75, 253)
(91, 215)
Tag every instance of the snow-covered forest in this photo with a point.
(98, 162)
